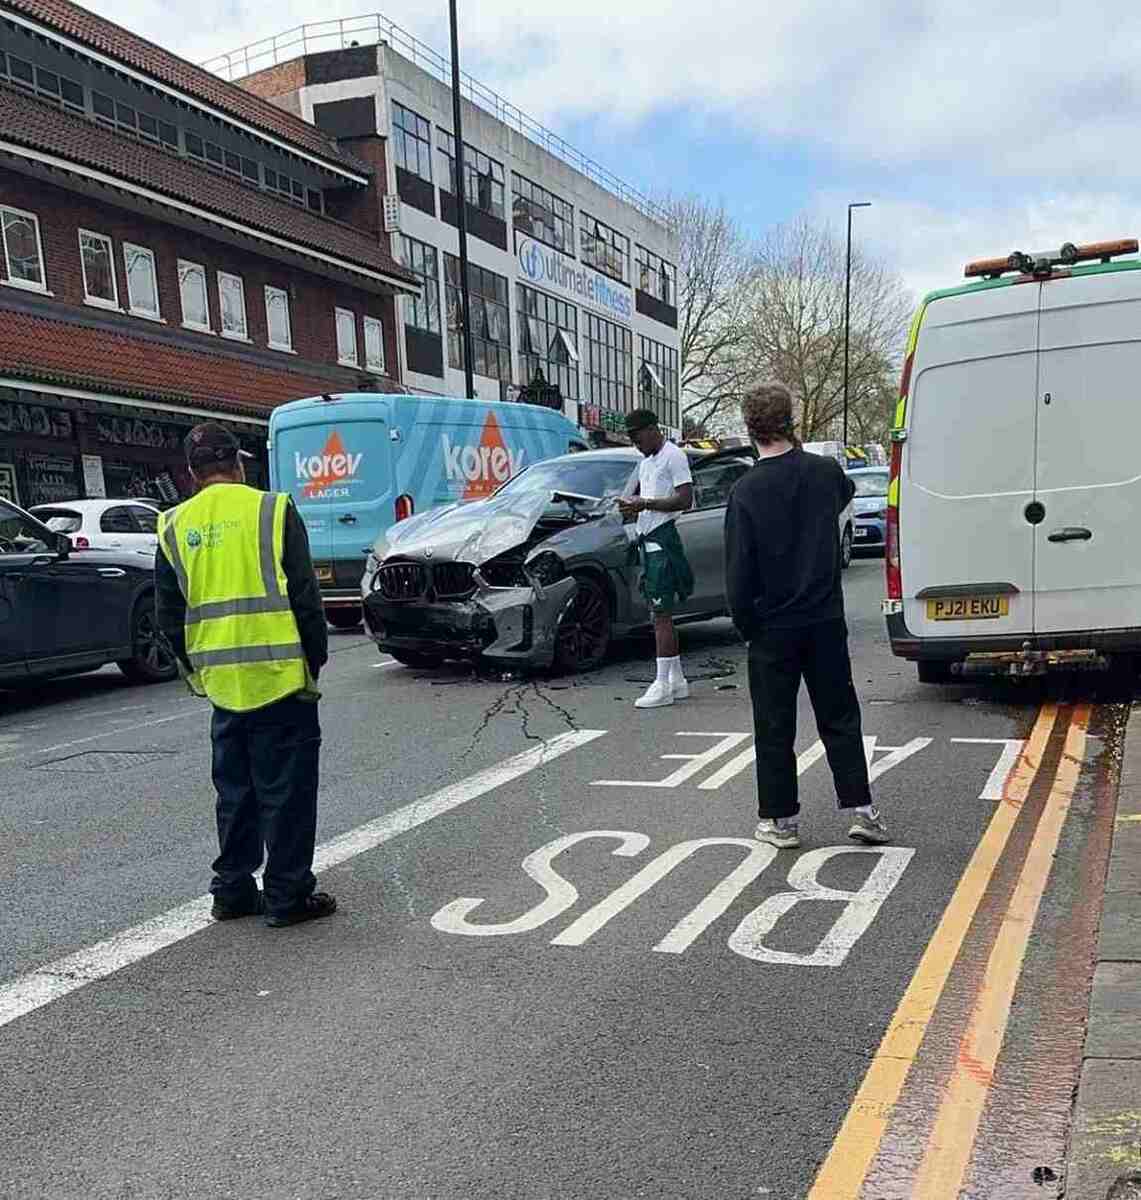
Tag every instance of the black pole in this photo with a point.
(461, 206)
(847, 315)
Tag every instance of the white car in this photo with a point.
(102, 524)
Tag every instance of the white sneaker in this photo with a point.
(784, 834)
(657, 695)
(680, 688)
(870, 830)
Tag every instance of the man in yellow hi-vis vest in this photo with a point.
(241, 608)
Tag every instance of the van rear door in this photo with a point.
(1088, 575)
(966, 547)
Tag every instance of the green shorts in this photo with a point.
(667, 578)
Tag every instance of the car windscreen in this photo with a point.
(871, 483)
(59, 520)
(603, 477)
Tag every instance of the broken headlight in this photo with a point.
(546, 568)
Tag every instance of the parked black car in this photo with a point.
(63, 611)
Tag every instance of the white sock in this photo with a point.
(675, 671)
(866, 810)
(664, 670)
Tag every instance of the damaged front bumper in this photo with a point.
(506, 624)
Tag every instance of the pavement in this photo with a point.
(561, 969)
(1106, 1140)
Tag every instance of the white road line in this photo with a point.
(56, 979)
(35, 752)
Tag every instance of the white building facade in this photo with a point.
(573, 275)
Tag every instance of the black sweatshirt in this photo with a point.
(301, 586)
(782, 543)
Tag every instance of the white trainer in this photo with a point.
(680, 688)
(657, 695)
(783, 834)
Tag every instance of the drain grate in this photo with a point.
(100, 762)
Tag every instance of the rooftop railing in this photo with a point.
(346, 32)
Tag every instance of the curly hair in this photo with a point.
(767, 410)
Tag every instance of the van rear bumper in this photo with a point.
(904, 644)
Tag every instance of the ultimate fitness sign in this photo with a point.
(553, 271)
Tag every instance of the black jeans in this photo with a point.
(778, 659)
(265, 772)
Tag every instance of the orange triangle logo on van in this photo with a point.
(476, 471)
(333, 465)
(491, 440)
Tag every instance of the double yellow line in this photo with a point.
(951, 1140)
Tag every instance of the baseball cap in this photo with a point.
(639, 419)
(210, 443)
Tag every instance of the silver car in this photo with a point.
(544, 572)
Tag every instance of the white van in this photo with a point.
(1015, 494)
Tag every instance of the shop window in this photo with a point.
(192, 292)
(97, 258)
(232, 301)
(23, 251)
(277, 318)
(608, 367)
(373, 344)
(346, 338)
(548, 332)
(142, 281)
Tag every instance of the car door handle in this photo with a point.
(347, 519)
(1073, 533)
(112, 572)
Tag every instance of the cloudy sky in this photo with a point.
(973, 128)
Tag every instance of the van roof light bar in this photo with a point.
(1042, 264)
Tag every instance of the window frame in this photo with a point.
(489, 293)
(613, 239)
(109, 244)
(24, 284)
(338, 314)
(608, 369)
(548, 321)
(429, 300)
(472, 159)
(230, 334)
(655, 266)
(286, 347)
(377, 324)
(567, 223)
(132, 308)
(187, 324)
(662, 364)
(400, 149)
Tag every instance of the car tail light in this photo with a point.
(891, 536)
(79, 542)
(405, 506)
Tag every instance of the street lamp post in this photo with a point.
(461, 206)
(847, 312)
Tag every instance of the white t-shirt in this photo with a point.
(659, 476)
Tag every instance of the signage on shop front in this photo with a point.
(542, 267)
(94, 485)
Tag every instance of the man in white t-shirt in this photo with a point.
(664, 489)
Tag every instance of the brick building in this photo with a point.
(574, 273)
(172, 247)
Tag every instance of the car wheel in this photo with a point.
(934, 670)
(414, 658)
(344, 618)
(584, 632)
(846, 549)
(150, 661)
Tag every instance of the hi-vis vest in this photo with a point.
(226, 546)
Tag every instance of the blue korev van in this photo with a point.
(357, 462)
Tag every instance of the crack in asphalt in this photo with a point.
(512, 702)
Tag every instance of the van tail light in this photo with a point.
(405, 506)
(79, 542)
(891, 537)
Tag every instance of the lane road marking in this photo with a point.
(842, 1175)
(956, 1125)
(54, 980)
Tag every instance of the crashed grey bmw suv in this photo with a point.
(541, 573)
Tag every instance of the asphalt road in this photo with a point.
(561, 969)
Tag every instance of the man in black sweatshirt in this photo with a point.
(782, 555)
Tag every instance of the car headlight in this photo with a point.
(546, 568)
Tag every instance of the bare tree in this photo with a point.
(796, 329)
(716, 271)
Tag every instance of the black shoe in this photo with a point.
(312, 908)
(231, 912)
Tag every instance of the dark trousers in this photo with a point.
(778, 659)
(265, 773)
